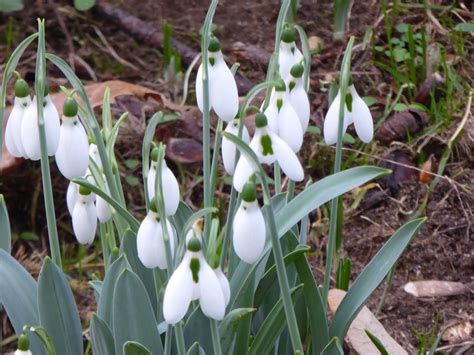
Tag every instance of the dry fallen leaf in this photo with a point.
(435, 288)
(429, 167)
(356, 335)
(184, 150)
(458, 332)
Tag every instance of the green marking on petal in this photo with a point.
(279, 104)
(194, 266)
(349, 100)
(266, 142)
(212, 60)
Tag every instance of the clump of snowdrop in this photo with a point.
(355, 111)
(23, 345)
(29, 128)
(13, 140)
(229, 149)
(249, 226)
(298, 95)
(194, 279)
(282, 117)
(169, 183)
(269, 148)
(72, 156)
(151, 240)
(289, 53)
(84, 216)
(223, 94)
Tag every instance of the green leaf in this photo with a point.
(196, 349)
(18, 292)
(132, 221)
(333, 348)
(376, 341)
(369, 100)
(58, 311)
(131, 163)
(106, 299)
(372, 275)
(29, 236)
(229, 326)
(197, 330)
(133, 316)
(132, 180)
(102, 339)
(11, 5)
(5, 231)
(134, 348)
(402, 27)
(97, 287)
(43, 336)
(400, 107)
(273, 326)
(464, 27)
(83, 5)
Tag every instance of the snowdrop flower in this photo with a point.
(283, 119)
(29, 128)
(298, 95)
(268, 147)
(223, 94)
(103, 209)
(23, 345)
(94, 155)
(84, 216)
(289, 54)
(355, 111)
(169, 183)
(72, 156)
(249, 226)
(193, 279)
(228, 148)
(150, 240)
(13, 130)
(71, 196)
(225, 286)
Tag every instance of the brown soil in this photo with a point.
(443, 250)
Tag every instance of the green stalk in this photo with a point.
(215, 158)
(277, 177)
(333, 223)
(104, 244)
(228, 226)
(40, 82)
(216, 344)
(206, 162)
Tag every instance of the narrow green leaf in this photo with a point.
(44, 337)
(195, 349)
(97, 287)
(464, 27)
(333, 348)
(197, 330)
(229, 326)
(133, 316)
(273, 326)
(102, 339)
(106, 299)
(58, 311)
(5, 231)
(376, 341)
(11, 5)
(372, 275)
(134, 348)
(18, 292)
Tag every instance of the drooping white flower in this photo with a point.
(103, 209)
(289, 54)
(355, 111)
(298, 95)
(283, 119)
(71, 196)
(72, 156)
(13, 130)
(169, 183)
(223, 93)
(193, 279)
(249, 226)
(228, 148)
(94, 155)
(23, 345)
(150, 240)
(84, 217)
(29, 128)
(225, 286)
(268, 147)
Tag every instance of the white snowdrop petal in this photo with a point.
(178, 293)
(223, 90)
(71, 196)
(103, 210)
(244, 169)
(72, 155)
(225, 286)
(51, 125)
(287, 159)
(20, 352)
(13, 129)
(363, 123)
(289, 126)
(95, 156)
(249, 232)
(150, 183)
(211, 296)
(272, 115)
(228, 148)
(285, 60)
(161, 249)
(84, 221)
(170, 190)
(199, 90)
(148, 241)
(300, 102)
(29, 132)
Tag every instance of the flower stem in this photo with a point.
(216, 344)
(228, 226)
(40, 82)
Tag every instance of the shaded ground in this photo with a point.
(442, 250)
